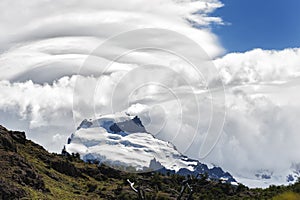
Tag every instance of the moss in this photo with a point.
(287, 196)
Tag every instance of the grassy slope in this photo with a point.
(30, 172)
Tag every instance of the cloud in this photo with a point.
(41, 110)
(259, 66)
(57, 38)
(105, 19)
(258, 134)
(262, 105)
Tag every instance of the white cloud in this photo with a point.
(262, 105)
(258, 66)
(35, 20)
(41, 110)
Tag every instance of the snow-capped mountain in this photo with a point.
(121, 141)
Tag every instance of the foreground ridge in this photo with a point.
(28, 171)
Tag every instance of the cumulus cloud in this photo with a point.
(259, 66)
(42, 110)
(262, 105)
(259, 133)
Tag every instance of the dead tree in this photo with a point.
(187, 184)
(138, 190)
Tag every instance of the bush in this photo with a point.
(91, 187)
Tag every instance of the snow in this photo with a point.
(94, 140)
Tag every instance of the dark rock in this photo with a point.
(6, 141)
(265, 176)
(85, 124)
(290, 178)
(9, 191)
(130, 126)
(18, 136)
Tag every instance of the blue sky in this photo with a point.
(267, 24)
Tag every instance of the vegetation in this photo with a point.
(28, 171)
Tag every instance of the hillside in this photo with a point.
(28, 171)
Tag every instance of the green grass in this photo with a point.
(287, 196)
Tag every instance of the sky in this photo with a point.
(264, 24)
(63, 62)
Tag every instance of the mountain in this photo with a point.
(28, 171)
(121, 141)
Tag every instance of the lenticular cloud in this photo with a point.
(41, 59)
